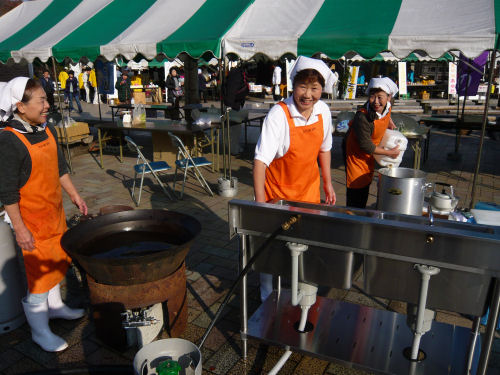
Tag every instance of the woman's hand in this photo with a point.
(330, 197)
(70, 189)
(80, 203)
(24, 238)
(393, 152)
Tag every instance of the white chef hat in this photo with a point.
(385, 84)
(318, 65)
(11, 93)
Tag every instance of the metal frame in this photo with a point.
(244, 221)
(186, 162)
(146, 167)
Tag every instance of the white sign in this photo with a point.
(452, 79)
(483, 87)
(402, 78)
(350, 91)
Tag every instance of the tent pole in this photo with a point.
(62, 116)
(483, 128)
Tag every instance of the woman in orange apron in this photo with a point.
(296, 135)
(361, 143)
(32, 176)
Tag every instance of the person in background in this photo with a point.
(335, 89)
(174, 91)
(93, 86)
(202, 86)
(86, 83)
(123, 87)
(363, 137)
(48, 87)
(296, 135)
(33, 174)
(72, 91)
(63, 77)
(276, 81)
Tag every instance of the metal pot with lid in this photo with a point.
(401, 190)
(443, 201)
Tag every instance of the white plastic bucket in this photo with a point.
(183, 351)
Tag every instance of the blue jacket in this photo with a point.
(76, 88)
(48, 85)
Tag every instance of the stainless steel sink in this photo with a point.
(390, 244)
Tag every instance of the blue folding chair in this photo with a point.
(143, 167)
(186, 162)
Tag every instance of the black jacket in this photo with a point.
(15, 161)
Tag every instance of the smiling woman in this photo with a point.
(33, 107)
(361, 142)
(296, 134)
(32, 176)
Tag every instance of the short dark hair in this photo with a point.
(46, 70)
(309, 76)
(71, 72)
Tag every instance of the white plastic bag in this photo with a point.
(139, 115)
(391, 139)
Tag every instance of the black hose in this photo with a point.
(376, 300)
(284, 227)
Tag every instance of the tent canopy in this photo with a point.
(110, 28)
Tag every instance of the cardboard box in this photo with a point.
(425, 95)
(139, 97)
(75, 132)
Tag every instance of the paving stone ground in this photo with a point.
(212, 262)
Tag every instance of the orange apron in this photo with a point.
(42, 212)
(295, 176)
(359, 164)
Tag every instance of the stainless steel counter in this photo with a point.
(387, 244)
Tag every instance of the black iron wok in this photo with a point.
(89, 242)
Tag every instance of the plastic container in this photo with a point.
(187, 354)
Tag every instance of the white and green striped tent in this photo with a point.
(91, 28)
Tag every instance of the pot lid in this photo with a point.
(440, 195)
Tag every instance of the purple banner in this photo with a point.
(468, 79)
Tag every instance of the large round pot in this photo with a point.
(131, 247)
(401, 190)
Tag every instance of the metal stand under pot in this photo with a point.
(135, 268)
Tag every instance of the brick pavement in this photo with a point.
(213, 262)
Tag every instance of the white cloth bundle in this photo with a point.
(391, 139)
(11, 93)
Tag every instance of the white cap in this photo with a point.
(11, 93)
(318, 65)
(385, 84)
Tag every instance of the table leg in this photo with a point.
(121, 149)
(212, 148)
(490, 330)
(100, 146)
(112, 115)
(243, 299)
(217, 131)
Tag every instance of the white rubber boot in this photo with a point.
(57, 308)
(38, 319)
